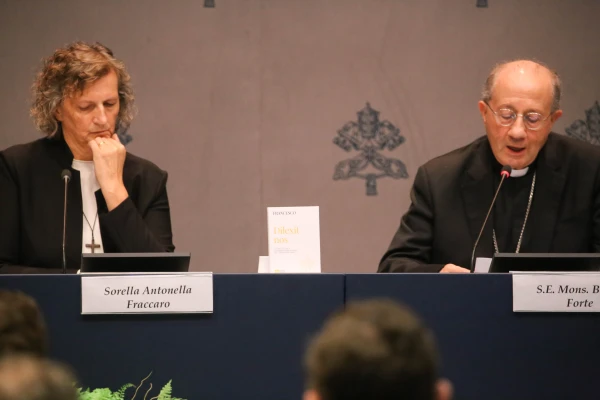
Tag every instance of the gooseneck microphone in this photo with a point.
(504, 173)
(65, 175)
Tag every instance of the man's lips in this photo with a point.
(515, 149)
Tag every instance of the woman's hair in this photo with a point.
(67, 72)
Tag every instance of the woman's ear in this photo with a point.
(58, 113)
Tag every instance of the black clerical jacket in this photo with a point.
(31, 209)
(451, 195)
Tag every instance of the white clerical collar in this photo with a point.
(517, 173)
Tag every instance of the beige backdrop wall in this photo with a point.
(240, 103)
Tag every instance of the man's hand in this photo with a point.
(451, 268)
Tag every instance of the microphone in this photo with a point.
(504, 173)
(65, 175)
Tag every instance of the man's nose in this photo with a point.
(518, 130)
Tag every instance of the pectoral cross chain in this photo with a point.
(93, 246)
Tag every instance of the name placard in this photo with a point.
(294, 239)
(556, 292)
(147, 293)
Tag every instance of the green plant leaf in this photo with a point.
(120, 394)
(165, 392)
(97, 394)
(107, 394)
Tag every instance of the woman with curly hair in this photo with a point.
(117, 202)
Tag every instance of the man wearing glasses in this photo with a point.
(551, 203)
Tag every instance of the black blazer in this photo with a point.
(451, 195)
(31, 209)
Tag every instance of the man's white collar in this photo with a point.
(517, 173)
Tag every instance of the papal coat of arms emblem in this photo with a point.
(369, 136)
(588, 130)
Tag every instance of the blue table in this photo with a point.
(252, 346)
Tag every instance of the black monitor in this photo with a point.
(135, 262)
(545, 262)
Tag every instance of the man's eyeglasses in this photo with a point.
(506, 117)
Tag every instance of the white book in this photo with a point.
(294, 239)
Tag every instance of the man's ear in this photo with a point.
(311, 394)
(556, 115)
(443, 389)
(482, 109)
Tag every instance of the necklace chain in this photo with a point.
(90, 225)
(524, 222)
